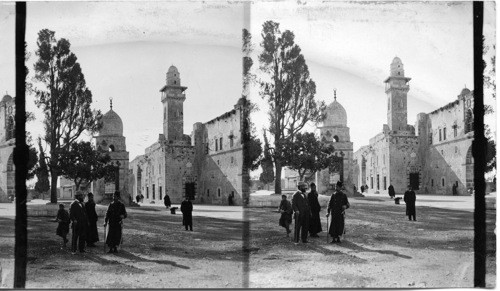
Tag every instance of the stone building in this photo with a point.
(219, 157)
(203, 166)
(111, 140)
(7, 144)
(429, 161)
(333, 131)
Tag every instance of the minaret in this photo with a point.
(396, 88)
(172, 97)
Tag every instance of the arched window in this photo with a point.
(336, 138)
(469, 121)
(164, 112)
(11, 131)
(111, 148)
(218, 192)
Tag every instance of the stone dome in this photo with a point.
(173, 69)
(465, 91)
(335, 115)
(7, 98)
(111, 124)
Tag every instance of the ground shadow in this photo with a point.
(358, 248)
(132, 257)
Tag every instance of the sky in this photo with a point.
(126, 48)
(349, 46)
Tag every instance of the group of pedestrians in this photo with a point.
(305, 210)
(83, 219)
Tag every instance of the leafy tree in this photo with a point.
(83, 164)
(308, 155)
(288, 89)
(489, 80)
(64, 99)
(267, 175)
(42, 184)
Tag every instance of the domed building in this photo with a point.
(111, 140)
(334, 131)
(7, 144)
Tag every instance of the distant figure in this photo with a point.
(187, 213)
(362, 188)
(410, 199)
(336, 207)
(138, 198)
(454, 189)
(63, 219)
(302, 213)
(114, 216)
(92, 236)
(230, 199)
(354, 189)
(315, 222)
(392, 193)
(79, 227)
(166, 201)
(286, 211)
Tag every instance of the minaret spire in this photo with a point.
(111, 103)
(335, 94)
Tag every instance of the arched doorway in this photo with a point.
(469, 169)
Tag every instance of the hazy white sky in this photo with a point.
(125, 49)
(349, 46)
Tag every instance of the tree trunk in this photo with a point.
(53, 187)
(277, 177)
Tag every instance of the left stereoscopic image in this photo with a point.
(135, 128)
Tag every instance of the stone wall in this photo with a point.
(219, 158)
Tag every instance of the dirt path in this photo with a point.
(381, 249)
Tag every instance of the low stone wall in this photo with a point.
(274, 200)
(51, 209)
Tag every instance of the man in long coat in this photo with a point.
(410, 199)
(92, 235)
(391, 191)
(286, 214)
(79, 226)
(114, 217)
(336, 207)
(166, 201)
(187, 213)
(315, 222)
(302, 213)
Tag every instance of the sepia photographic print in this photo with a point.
(238, 144)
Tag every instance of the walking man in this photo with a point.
(410, 199)
(114, 216)
(187, 213)
(166, 201)
(300, 206)
(392, 193)
(79, 226)
(315, 223)
(286, 214)
(92, 236)
(336, 207)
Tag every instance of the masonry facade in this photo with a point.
(7, 144)
(430, 157)
(206, 166)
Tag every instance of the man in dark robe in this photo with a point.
(79, 225)
(315, 222)
(391, 191)
(92, 235)
(410, 199)
(187, 213)
(166, 201)
(63, 219)
(286, 214)
(302, 212)
(362, 188)
(114, 216)
(336, 207)
(454, 189)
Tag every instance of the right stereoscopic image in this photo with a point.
(361, 133)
